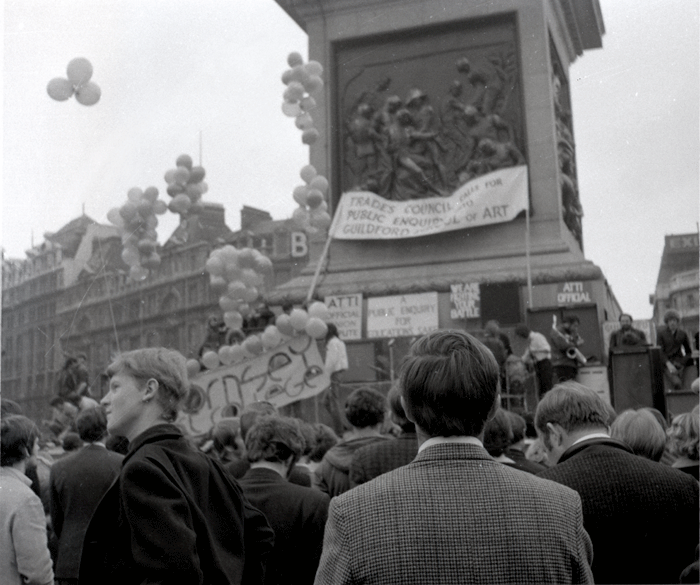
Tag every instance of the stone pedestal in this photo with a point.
(509, 60)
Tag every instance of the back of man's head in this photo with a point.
(450, 383)
(250, 415)
(574, 407)
(274, 439)
(398, 414)
(91, 425)
(498, 433)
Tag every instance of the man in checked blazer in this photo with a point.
(454, 515)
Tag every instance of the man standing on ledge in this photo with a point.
(539, 354)
(454, 515)
(676, 351)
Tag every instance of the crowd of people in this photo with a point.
(434, 483)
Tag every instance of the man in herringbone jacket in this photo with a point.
(454, 515)
(642, 516)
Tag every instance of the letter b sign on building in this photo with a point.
(300, 247)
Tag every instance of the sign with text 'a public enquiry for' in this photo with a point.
(493, 198)
(345, 312)
(402, 315)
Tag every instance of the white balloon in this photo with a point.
(88, 94)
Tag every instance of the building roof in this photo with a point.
(71, 234)
(681, 253)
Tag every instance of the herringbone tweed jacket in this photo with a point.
(642, 516)
(454, 515)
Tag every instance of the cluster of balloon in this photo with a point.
(312, 213)
(312, 322)
(186, 185)
(302, 80)
(237, 275)
(79, 72)
(137, 223)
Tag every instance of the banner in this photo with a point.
(493, 198)
(292, 371)
(465, 300)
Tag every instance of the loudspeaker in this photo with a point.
(637, 379)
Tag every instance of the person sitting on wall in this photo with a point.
(566, 340)
(676, 352)
(626, 336)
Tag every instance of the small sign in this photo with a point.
(402, 316)
(574, 293)
(465, 301)
(346, 314)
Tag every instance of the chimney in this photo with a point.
(250, 217)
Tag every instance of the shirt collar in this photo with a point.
(591, 436)
(442, 440)
(17, 474)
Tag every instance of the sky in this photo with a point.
(174, 71)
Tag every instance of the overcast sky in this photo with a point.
(170, 70)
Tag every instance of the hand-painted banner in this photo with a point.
(493, 198)
(290, 372)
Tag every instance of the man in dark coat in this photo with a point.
(676, 352)
(297, 514)
(372, 460)
(641, 515)
(77, 484)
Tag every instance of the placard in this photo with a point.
(402, 315)
(574, 293)
(465, 300)
(346, 314)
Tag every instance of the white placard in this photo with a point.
(346, 314)
(402, 315)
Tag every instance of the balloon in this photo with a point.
(210, 359)
(197, 174)
(297, 73)
(233, 319)
(145, 208)
(298, 319)
(160, 207)
(294, 91)
(314, 68)
(294, 59)
(217, 284)
(150, 194)
(88, 94)
(236, 290)
(138, 273)
(304, 121)
(128, 210)
(174, 188)
(114, 217)
(252, 344)
(225, 355)
(284, 325)
(250, 277)
(184, 160)
(229, 254)
(264, 264)
(314, 198)
(61, 89)
(300, 216)
(319, 310)
(250, 294)
(192, 191)
(131, 256)
(181, 175)
(214, 265)
(233, 272)
(320, 219)
(313, 83)
(193, 367)
(181, 203)
(309, 136)
(79, 71)
(134, 194)
(319, 182)
(307, 103)
(203, 187)
(244, 309)
(153, 261)
(287, 76)
(316, 328)
(146, 246)
(228, 304)
(170, 176)
(271, 337)
(289, 109)
(237, 354)
(299, 194)
(307, 173)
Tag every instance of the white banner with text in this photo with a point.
(493, 198)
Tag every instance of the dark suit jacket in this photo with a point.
(454, 515)
(618, 338)
(522, 462)
(174, 516)
(372, 460)
(77, 484)
(675, 347)
(642, 516)
(299, 476)
(298, 516)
